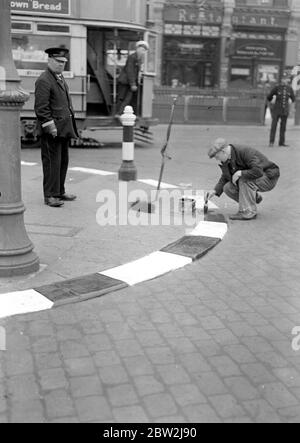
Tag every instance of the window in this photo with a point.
(266, 3)
(267, 74)
(151, 55)
(21, 27)
(57, 29)
(29, 50)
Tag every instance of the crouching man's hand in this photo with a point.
(236, 177)
(211, 194)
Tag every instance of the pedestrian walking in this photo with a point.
(280, 111)
(54, 111)
(130, 80)
(245, 173)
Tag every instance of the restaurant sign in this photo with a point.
(240, 18)
(61, 7)
(192, 14)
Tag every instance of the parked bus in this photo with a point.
(100, 35)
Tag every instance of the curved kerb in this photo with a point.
(199, 242)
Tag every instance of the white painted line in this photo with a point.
(210, 229)
(154, 183)
(23, 302)
(28, 164)
(92, 171)
(148, 268)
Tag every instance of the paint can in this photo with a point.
(187, 205)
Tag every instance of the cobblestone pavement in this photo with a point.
(209, 343)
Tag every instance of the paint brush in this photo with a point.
(205, 210)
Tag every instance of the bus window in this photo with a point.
(29, 50)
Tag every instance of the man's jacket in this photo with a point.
(251, 162)
(53, 105)
(130, 73)
(283, 94)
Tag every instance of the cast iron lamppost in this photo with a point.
(16, 250)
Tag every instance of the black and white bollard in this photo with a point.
(128, 171)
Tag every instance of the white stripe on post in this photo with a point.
(128, 151)
(128, 171)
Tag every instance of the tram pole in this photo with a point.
(128, 171)
(16, 250)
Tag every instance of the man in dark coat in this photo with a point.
(130, 79)
(284, 95)
(54, 111)
(245, 173)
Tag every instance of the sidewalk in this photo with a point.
(211, 342)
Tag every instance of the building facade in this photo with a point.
(225, 43)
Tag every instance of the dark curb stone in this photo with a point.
(215, 217)
(80, 289)
(96, 285)
(192, 247)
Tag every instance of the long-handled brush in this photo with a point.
(206, 198)
(149, 207)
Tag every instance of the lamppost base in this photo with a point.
(16, 250)
(128, 172)
(19, 266)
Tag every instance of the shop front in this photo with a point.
(191, 46)
(259, 49)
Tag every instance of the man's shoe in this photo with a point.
(271, 145)
(243, 216)
(53, 202)
(283, 145)
(259, 198)
(68, 197)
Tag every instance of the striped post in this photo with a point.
(128, 171)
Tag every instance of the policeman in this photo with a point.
(130, 79)
(54, 111)
(284, 94)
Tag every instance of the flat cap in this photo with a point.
(143, 44)
(218, 145)
(59, 53)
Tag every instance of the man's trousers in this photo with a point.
(245, 192)
(126, 97)
(283, 124)
(55, 159)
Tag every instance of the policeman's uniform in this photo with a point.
(55, 114)
(284, 93)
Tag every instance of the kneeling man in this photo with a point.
(245, 173)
